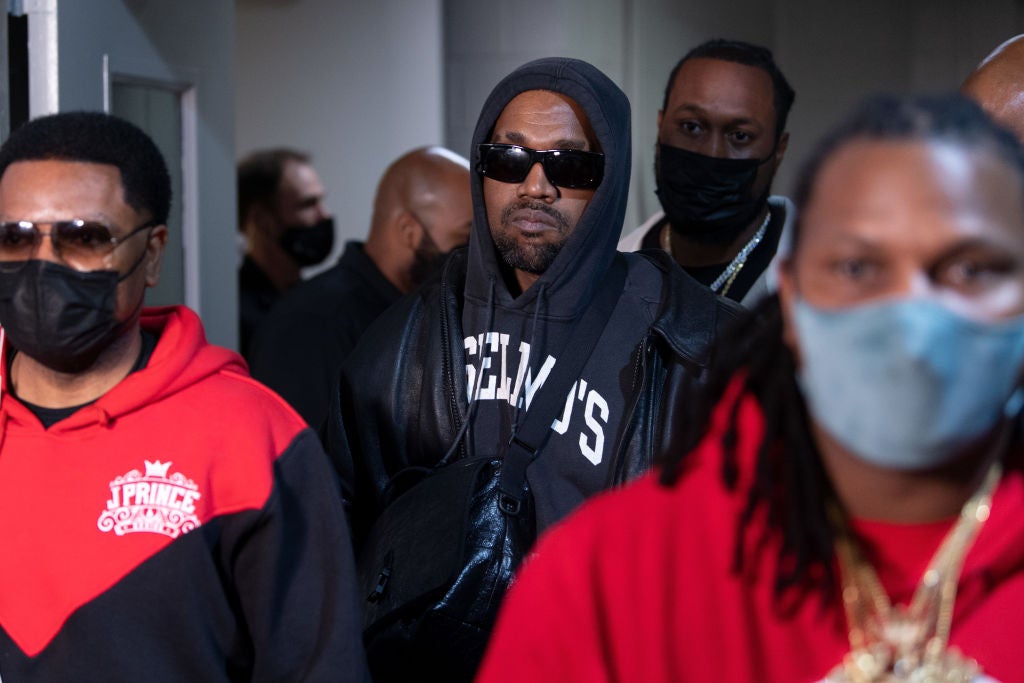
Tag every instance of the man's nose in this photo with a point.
(714, 146)
(44, 249)
(536, 184)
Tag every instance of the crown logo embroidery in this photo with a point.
(154, 502)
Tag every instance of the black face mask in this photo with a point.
(58, 316)
(309, 245)
(707, 199)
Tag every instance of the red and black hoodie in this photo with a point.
(183, 527)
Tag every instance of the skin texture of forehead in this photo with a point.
(870, 183)
(422, 178)
(998, 85)
(299, 181)
(541, 109)
(433, 183)
(719, 85)
(55, 189)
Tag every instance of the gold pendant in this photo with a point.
(890, 643)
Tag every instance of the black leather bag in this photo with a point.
(435, 567)
(439, 559)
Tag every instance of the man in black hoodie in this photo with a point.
(455, 366)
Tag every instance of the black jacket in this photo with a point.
(403, 393)
(405, 407)
(300, 346)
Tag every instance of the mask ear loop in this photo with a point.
(138, 261)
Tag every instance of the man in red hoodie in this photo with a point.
(156, 504)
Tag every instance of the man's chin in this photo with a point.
(529, 258)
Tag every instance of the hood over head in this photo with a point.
(570, 281)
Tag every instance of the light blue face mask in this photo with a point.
(906, 384)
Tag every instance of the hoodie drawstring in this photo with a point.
(471, 412)
(536, 344)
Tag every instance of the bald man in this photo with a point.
(422, 210)
(998, 85)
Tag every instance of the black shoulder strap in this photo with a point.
(533, 433)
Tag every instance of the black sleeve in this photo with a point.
(349, 418)
(295, 576)
(335, 442)
(297, 354)
(391, 407)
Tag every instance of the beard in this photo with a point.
(529, 257)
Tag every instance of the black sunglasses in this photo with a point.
(568, 168)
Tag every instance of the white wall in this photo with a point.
(834, 54)
(355, 83)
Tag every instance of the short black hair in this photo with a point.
(98, 138)
(259, 176)
(750, 55)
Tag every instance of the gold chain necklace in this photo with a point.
(897, 643)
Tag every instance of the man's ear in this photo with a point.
(155, 245)
(263, 220)
(661, 115)
(409, 229)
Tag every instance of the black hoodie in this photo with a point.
(528, 332)
(404, 392)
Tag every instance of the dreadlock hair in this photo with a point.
(790, 480)
(748, 54)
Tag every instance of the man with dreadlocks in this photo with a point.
(852, 510)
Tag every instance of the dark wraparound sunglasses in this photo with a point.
(568, 168)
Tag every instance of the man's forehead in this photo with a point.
(709, 83)
(45, 189)
(299, 179)
(553, 117)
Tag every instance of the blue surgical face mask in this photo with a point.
(906, 384)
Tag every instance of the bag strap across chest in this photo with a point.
(528, 439)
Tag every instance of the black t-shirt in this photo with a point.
(51, 416)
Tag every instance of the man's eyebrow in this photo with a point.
(697, 110)
(571, 144)
(513, 137)
(517, 138)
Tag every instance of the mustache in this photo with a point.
(531, 205)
